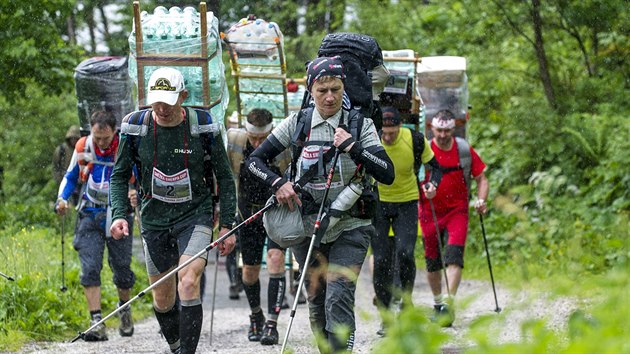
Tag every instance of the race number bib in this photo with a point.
(311, 155)
(171, 188)
(97, 192)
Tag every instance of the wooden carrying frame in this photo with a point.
(165, 59)
(238, 74)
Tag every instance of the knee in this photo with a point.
(250, 274)
(188, 286)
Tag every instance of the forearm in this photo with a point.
(225, 182)
(119, 182)
(256, 165)
(375, 161)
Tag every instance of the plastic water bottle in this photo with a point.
(344, 201)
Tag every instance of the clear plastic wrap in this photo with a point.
(443, 84)
(103, 83)
(173, 38)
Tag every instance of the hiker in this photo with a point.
(91, 165)
(61, 159)
(252, 196)
(336, 262)
(398, 209)
(451, 209)
(177, 212)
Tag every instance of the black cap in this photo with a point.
(391, 116)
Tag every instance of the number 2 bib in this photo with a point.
(174, 188)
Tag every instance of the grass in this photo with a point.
(34, 307)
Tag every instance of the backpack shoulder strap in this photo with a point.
(302, 128)
(417, 140)
(136, 123)
(237, 140)
(465, 159)
(200, 122)
(355, 124)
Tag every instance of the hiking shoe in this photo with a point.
(381, 332)
(270, 334)
(234, 290)
(256, 324)
(443, 315)
(98, 334)
(126, 322)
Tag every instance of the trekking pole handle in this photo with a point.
(179, 267)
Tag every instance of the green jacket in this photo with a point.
(176, 150)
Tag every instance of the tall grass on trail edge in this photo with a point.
(33, 306)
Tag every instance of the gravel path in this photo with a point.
(231, 320)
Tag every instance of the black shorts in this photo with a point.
(162, 248)
(252, 239)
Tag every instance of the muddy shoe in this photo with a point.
(270, 334)
(256, 324)
(443, 315)
(98, 334)
(126, 322)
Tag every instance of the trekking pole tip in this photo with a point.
(63, 289)
(497, 310)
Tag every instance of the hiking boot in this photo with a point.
(270, 334)
(256, 324)
(234, 290)
(98, 334)
(126, 322)
(443, 315)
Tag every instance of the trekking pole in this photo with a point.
(439, 238)
(310, 249)
(214, 293)
(178, 268)
(6, 277)
(485, 242)
(63, 254)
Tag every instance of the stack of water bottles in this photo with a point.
(254, 44)
(173, 38)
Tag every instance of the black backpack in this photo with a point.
(360, 54)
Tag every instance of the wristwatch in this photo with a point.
(226, 226)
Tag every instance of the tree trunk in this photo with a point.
(106, 34)
(72, 36)
(539, 46)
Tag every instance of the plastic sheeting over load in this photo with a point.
(102, 83)
(443, 84)
(173, 38)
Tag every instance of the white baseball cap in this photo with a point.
(165, 85)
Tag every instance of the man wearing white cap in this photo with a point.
(174, 166)
(451, 208)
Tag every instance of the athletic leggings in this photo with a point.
(403, 218)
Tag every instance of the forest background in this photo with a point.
(548, 82)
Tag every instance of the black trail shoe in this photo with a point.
(256, 324)
(270, 334)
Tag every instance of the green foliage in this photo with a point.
(31, 47)
(35, 125)
(411, 332)
(33, 307)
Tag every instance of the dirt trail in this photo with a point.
(231, 320)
